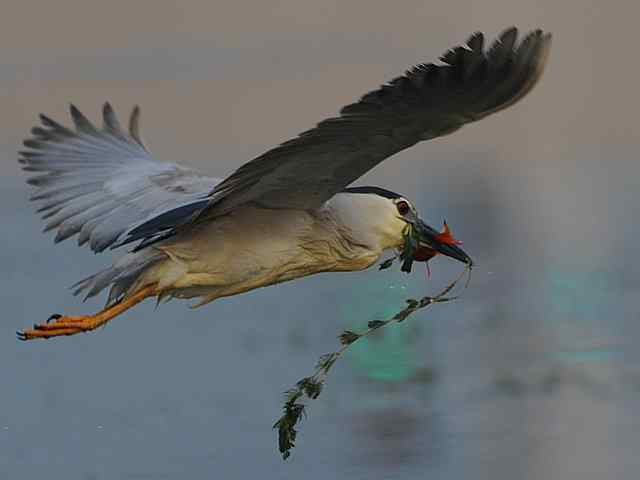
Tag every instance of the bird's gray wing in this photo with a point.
(428, 101)
(100, 183)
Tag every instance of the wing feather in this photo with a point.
(428, 101)
(101, 183)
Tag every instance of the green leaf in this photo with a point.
(348, 337)
(424, 301)
(373, 324)
(292, 395)
(326, 361)
(387, 263)
(286, 427)
(409, 248)
(310, 386)
(412, 302)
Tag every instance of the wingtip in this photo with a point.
(509, 33)
(81, 123)
(45, 120)
(110, 120)
(475, 42)
(134, 126)
(73, 110)
(107, 111)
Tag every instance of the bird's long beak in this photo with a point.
(433, 242)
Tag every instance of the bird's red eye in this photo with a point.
(403, 207)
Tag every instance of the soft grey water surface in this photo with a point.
(532, 375)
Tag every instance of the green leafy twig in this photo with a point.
(311, 387)
(406, 255)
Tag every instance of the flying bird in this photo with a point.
(286, 214)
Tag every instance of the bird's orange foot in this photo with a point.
(58, 325)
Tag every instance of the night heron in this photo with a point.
(284, 215)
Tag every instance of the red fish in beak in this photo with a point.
(444, 239)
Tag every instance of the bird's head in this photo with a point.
(385, 219)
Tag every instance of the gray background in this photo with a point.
(533, 374)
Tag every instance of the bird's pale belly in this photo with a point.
(257, 248)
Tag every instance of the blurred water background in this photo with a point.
(534, 374)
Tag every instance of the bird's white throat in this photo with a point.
(369, 219)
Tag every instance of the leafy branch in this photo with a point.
(311, 386)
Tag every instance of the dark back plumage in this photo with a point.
(382, 192)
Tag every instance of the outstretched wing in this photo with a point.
(428, 101)
(100, 183)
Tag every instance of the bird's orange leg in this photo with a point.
(58, 325)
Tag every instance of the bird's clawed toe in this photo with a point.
(55, 326)
(58, 325)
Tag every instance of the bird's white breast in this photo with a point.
(254, 247)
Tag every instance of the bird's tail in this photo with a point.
(122, 276)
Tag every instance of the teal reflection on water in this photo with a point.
(585, 314)
(607, 352)
(579, 294)
(389, 354)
